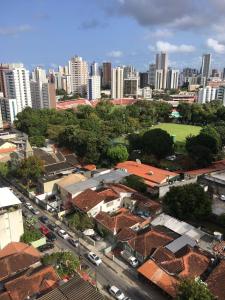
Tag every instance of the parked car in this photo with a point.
(96, 237)
(116, 293)
(129, 258)
(43, 219)
(73, 242)
(171, 157)
(51, 210)
(44, 230)
(22, 199)
(94, 258)
(63, 234)
(51, 226)
(46, 247)
(51, 236)
(28, 205)
(35, 211)
(222, 197)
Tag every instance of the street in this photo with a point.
(104, 275)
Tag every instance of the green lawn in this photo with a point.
(179, 131)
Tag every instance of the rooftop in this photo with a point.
(7, 198)
(216, 166)
(152, 176)
(71, 179)
(87, 200)
(216, 280)
(76, 288)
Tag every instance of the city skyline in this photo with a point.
(125, 32)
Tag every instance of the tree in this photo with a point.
(117, 154)
(193, 289)
(4, 169)
(30, 234)
(188, 202)
(30, 169)
(185, 112)
(158, 142)
(80, 222)
(37, 140)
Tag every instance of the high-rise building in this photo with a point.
(106, 75)
(3, 88)
(78, 69)
(94, 87)
(11, 219)
(117, 83)
(40, 90)
(94, 69)
(8, 108)
(223, 74)
(152, 69)
(159, 79)
(207, 94)
(131, 82)
(144, 79)
(162, 64)
(173, 79)
(18, 85)
(205, 68)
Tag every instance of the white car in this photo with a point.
(116, 293)
(63, 234)
(222, 197)
(94, 258)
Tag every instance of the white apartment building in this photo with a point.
(207, 94)
(159, 79)
(78, 69)
(162, 64)
(173, 79)
(152, 69)
(117, 83)
(145, 93)
(8, 109)
(94, 87)
(11, 221)
(18, 86)
(221, 94)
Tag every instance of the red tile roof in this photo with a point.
(151, 175)
(87, 200)
(16, 257)
(119, 221)
(71, 104)
(216, 166)
(38, 281)
(216, 281)
(108, 194)
(89, 167)
(148, 242)
(165, 268)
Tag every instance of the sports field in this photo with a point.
(179, 131)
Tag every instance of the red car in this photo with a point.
(44, 230)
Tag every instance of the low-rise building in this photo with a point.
(11, 220)
(216, 279)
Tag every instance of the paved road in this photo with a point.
(104, 275)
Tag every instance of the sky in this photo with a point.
(49, 32)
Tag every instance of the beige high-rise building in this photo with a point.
(159, 79)
(78, 69)
(117, 83)
(162, 64)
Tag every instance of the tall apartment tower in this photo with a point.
(131, 82)
(94, 87)
(173, 79)
(117, 83)
(78, 69)
(106, 75)
(18, 86)
(205, 68)
(159, 79)
(42, 94)
(3, 89)
(152, 68)
(94, 69)
(162, 64)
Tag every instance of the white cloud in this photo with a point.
(115, 53)
(10, 31)
(216, 46)
(168, 47)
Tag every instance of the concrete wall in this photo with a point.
(11, 227)
(165, 188)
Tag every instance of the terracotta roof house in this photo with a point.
(166, 268)
(35, 282)
(114, 223)
(106, 199)
(153, 177)
(216, 281)
(17, 257)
